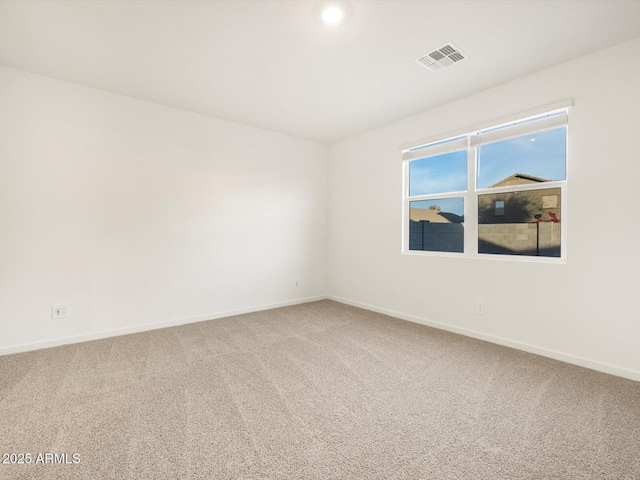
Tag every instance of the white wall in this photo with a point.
(136, 213)
(584, 311)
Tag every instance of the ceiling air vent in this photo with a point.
(442, 57)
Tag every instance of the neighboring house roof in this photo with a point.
(424, 214)
(517, 179)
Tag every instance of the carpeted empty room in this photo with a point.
(315, 391)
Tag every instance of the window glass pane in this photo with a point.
(438, 174)
(534, 158)
(527, 224)
(437, 225)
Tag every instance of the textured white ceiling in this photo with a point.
(271, 64)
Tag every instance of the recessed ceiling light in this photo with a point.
(333, 14)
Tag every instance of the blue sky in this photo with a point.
(541, 154)
(443, 173)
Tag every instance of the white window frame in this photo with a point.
(471, 139)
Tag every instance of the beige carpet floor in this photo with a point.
(315, 391)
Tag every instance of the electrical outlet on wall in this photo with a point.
(60, 311)
(480, 308)
(297, 283)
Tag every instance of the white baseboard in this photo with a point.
(150, 326)
(563, 357)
